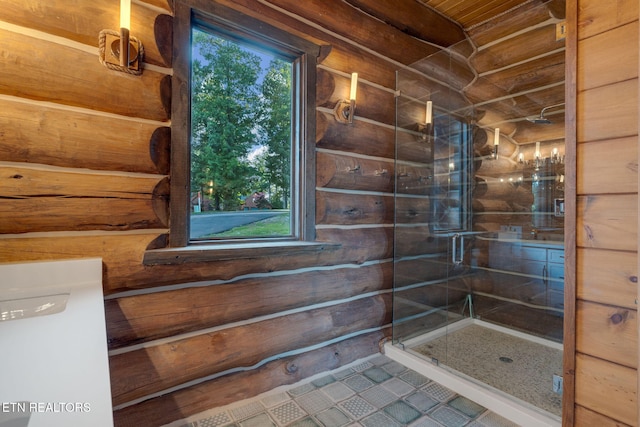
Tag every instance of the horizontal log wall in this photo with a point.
(85, 169)
(84, 172)
(606, 363)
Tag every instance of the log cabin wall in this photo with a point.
(85, 155)
(85, 158)
(606, 87)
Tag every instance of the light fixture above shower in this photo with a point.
(542, 120)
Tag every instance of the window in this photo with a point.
(243, 131)
(241, 145)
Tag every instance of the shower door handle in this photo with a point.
(454, 247)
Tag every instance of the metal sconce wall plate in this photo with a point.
(109, 49)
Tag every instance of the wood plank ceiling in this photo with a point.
(507, 59)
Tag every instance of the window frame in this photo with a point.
(189, 14)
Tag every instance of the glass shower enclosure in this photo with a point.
(478, 256)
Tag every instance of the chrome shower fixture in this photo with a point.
(542, 120)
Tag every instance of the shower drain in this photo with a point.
(506, 359)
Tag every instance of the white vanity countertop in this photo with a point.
(55, 366)
(554, 244)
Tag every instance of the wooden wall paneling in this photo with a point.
(162, 4)
(412, 210)
(17, 180)
(413, 240)
(414, 179)
(504, 194)
(425, 23)
(609, 166)
(351, 209)
(44, 70)
(571, 217)
(637, 406)
(325, 86)
(502, 167)
(529, 133)
(360, 137)
(336, 27)
(607, 388)
(597, 17)
(638, 260)
(416, 270)
(413, 147)
(421, 299)
(509, 51)
(237, 386)
(586, 417)
(606, 60)
(414, 327)
(37, 133)
(608, 221)
(607, 332)
(354, 173)
(608, 112)
(139, 318)
(522, 106)
(354, 245)
(492, 221)
(607, 277)
(51, 200)
(360, 244)
(141, 372)
(84, 21)
(353, 24)
(122, 255)
(348, 58)
(528, 14)
(66, 214)
(411, 108)
(442, 66)
(529, 75)
(372, 102)
(352, 249)
(416, 89)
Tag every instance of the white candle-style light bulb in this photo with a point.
(537, 153)
(125, 14)
(429, 116)
(496, 137)
(354, 86)
(125, 24)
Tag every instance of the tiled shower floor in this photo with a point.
(373, 392)
(521, 367)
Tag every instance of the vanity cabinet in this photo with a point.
(546, 262)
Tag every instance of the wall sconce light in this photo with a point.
(496, 142)
(118, 50)
(345, 110)
(425, 128)
(539, 161)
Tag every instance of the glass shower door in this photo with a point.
(432, 176)
(477, 291)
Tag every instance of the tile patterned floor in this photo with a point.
(374, 392)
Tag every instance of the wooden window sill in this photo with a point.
(232, 251)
